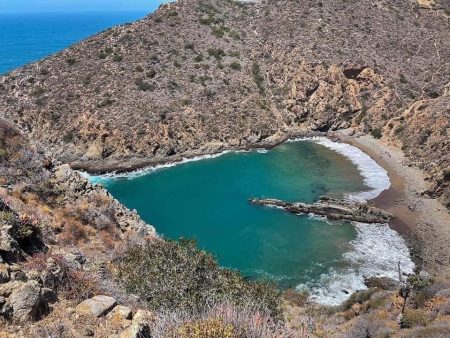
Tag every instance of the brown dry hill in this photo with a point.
(202, 76)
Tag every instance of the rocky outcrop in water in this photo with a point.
(330, 208)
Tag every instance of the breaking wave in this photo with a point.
(375, 252)
(375, 177)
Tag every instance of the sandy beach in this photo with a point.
(422, 221)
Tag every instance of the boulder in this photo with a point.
(5, 273)
(9, 248)
(120, 312)
(383, 283)
(27, 302)
(140, 326)
(120, 317)
(96, 306)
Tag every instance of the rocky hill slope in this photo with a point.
(202, 76)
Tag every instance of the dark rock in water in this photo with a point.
(331, 208)
(383, 283)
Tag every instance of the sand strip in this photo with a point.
(424, 222)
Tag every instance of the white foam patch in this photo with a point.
(148, 170)
(375, 177)
(375, 252)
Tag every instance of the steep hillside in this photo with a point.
(200, 76)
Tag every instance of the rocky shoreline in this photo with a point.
(124, 166)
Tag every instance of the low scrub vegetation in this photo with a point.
(257, 77)
(376, 133)
(222, 319)
(177, 275)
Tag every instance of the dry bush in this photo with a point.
(357, 297)
(63, 277)
(73, 232)
(368, 326)
(296, 298)
(444, 309)
(210, 327)
(414, 317)
(219, 320)
(96, 211)
(438, 330)
(51, 330)
(377, 300)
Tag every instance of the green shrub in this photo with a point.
(376, 133)
(177, 275)
(198, 58)
(103, 54)
(151, 73)
(71, 61)
(144, 86)
(206, 20)
(446, 174)
(117, 57)
(235, 35)
(403, 79)
(217, 53)
(357, 297)
(234, 54)
(38, 91)
(219, 31)
(68, 137)
(235, 65)
(413, 318)
(257, 77)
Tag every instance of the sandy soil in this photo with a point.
(424, 222)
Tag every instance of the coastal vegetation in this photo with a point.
(176, 275)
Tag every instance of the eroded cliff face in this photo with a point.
(203, 76)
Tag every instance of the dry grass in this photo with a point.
(224, 319)
(68, 280)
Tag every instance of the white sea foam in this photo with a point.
(322, 219)
(375, 177)
(375, 252)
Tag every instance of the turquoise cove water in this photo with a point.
(208, 200)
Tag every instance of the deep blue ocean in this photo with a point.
(27, 37)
